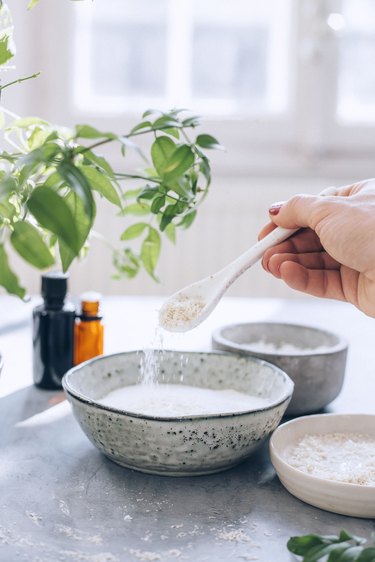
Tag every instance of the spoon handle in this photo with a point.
(255, 253)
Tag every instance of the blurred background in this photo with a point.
(288, 86)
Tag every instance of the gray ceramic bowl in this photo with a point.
(184, 446)
(314, 359)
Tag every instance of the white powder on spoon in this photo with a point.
(178, 312)
(174, 400)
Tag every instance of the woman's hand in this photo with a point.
(333, 256)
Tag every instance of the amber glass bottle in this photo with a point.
(88, 331)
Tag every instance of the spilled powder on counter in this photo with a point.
(342, 457)
(180, 400)
(178, 312)
(284, 348)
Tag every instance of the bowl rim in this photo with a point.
(219, 338)
(275, 452)
(70, 391)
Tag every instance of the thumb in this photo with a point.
(298, 212)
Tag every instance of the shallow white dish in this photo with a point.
(338, 497)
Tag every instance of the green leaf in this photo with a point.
(207, 141)
(5, 52)
(134, 231)
(180, 161)
(54, 214)
(165, 122)
(8, 279)
(168, 215)
(26, 122)
(205, 169)
(100, 162)
(131, 193)
(140, 126)
(193, 121)
(188, 219)
(170, 232)
(77, 181)
(173, 132)
(161, 150)
(126, 263)
(37, 138)
(330, 548)
(27, 241)
(32, 4)
(7, 210)
(137, 209)
(148, 193)
(157, 204)
(89, 132)
(8, 185)
(150, 112)
(99, 182)
(368, 555)
(150, 251)
(83, 226)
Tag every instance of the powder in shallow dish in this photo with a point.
(343, 457)
(174, 400)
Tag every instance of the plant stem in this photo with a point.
(136, 177)
(19, 80)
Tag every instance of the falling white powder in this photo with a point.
(284, 348)
(343, 457)
(178, 312)
(151, 359)
(173, 400)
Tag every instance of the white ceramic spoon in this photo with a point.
(188, 307)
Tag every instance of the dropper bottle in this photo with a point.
(89, 330)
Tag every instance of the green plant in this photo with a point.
(51, 178)
(331, 548)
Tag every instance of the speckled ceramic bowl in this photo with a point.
(314, 359)
(185, 446)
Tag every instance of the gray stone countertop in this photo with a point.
(61, 500)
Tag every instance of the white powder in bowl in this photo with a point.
(284, 348)
(178, 312)
(343, 457)
(174, 400)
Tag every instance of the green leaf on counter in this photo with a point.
(29, 244)
(53, 213)
(150, 251)
(8, 279)
(331, 548)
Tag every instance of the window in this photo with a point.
(287, 85)
(216, 56)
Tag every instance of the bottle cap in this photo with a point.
(90, 302)
(54, 286)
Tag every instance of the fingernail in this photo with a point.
(275, 208)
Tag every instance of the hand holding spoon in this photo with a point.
(188, 307)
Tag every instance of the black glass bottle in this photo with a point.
(53, 333)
